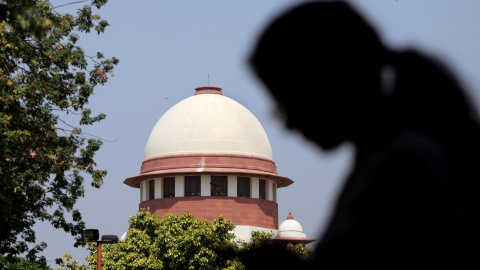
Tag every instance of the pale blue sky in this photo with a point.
(167, 48)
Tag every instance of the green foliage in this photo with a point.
(46, 81)
(257, 240)
(68, 263)
(174, 242)
(303, 253)
(262, 239)
(21, 264)
(183, 242)
(21, 12)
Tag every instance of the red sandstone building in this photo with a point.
(209, 155)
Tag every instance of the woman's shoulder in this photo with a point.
(415, 143)
(408, 157)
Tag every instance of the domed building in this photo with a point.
(209, 155)
(291, 232)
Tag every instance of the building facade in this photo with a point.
(209, 155)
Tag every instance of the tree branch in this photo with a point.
(77, 2)
(84, 133)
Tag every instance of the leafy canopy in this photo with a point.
(174, 242)
(21, 264)
(46, 81)
(182, 242)
(261, 252)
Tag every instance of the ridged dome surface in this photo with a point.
(208, 124)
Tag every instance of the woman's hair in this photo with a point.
(427, 96)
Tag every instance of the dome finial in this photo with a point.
(208, 90)
(290, 214)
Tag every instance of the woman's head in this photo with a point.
(321, 61)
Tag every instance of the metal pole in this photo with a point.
(99, 255)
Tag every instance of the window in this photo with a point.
(192, 186)
(151, 189)
(218, 186)
(168, 187)
(243, 187)
(261, 189)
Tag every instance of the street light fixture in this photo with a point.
(92, 235)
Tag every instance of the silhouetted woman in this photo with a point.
(411, 199)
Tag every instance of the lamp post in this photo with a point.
(92, 235)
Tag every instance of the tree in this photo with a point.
(46, 81)
(19, 11)
(21, 264)
(262, 252)
(262, 240)
(183, 242)
(172, 242)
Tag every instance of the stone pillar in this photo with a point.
(205, 185)
(232, 186)
(255, 188)
(179, 186)
(144, 190)
(269, 190)
(158, 188)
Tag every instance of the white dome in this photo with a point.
(124, 236)
(208, 123)
(290, 225)
(290, 228)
